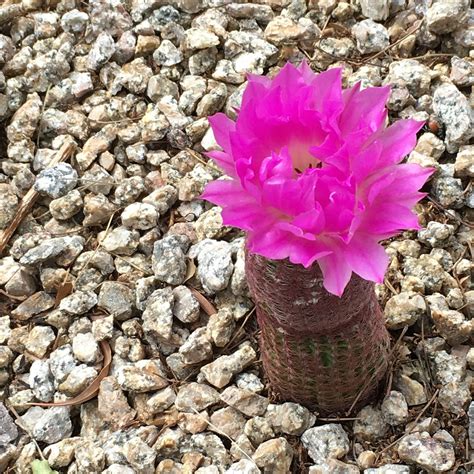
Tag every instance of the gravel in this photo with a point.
(119, 237)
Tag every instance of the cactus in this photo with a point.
(325, 352)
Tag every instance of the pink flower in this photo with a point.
(316, 174)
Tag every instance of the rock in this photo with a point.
(39, 341)
(389, 469)
(229, 421)
(429, 425)
(214, 264)
(57, 248)
(220, 327)
(197, 347)
(67, 206)
(452, 325)
(436, 234)
(455, 397)
(62, 362)
(97, 180)
(140, 216)
(445, 17)
(464, 165)
(370, 424)
(41, 381)
(161, 400)
(113, 405)
(61, 454)
(56, 181)
(290, 418)
(168, 442)
(282, 30)
(258, 430)
(168, 466)
(366, 459)
(326, 442)
(5, 331)
(194, 423)
(162, 198)
(444, 436)
(371, 37)
(220, 372)
(210, 445)
(447, 368)
(169, 261)
(158, 315)
(117, 299)
(89, 457)
(249, 381)
(22, 283)
(54, 425)
(134, 76)
(79, 302)
(377, 10)
(427, 453)
(176, 364)
(448, 191)
(159, 87)
(186, 307)
(192, 185)
(102, 50)
(411, 74)
(394, 408)
(8, 429)
(404, 309)
(244, 466)
(196, 396)
(97, 209)
(274, 456)
(197, 38)
(249, 403)
(462, 72)
(167, 54)
(6, 356)
(8, 205)
(85, 348)
(140, 456)
(143, 376)
(77, 380)
(121, 241)
(453, 110)
(428, 270)
(333, 466)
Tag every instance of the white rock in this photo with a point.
(326, 442)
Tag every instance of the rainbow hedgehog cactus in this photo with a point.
(316, 181)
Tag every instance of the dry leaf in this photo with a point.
(206, 305)
(93, 389)
(64, 290)
(191, 270)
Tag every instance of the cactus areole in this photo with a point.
(315, 179)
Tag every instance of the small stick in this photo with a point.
(30, 198)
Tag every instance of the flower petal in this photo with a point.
(367, 258)
(336, 272)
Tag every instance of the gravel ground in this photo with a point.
(116, 266)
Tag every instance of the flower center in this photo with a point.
(301, 157)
